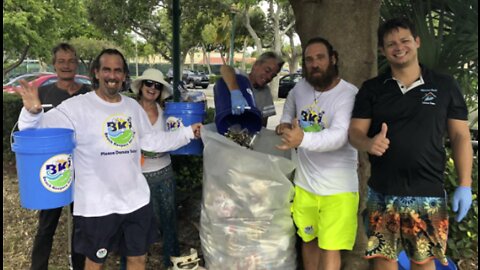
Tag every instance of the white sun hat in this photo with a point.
(155, 75)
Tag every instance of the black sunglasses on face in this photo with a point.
(157, 85)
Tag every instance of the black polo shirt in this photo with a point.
(51, 94)
(414, 163)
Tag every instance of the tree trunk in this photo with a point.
(295, 55)
(43, 66)
(20, 60)
(351, 26)
(206, 59)
(244, 49)
(191, 54)
(251, 31)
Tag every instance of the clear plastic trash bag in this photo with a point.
(245, 215)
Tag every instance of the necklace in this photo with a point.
(316, 96)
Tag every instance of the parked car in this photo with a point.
(286, 84)
(195, 79)
(169, 75)
(191, 79)
(27, 77)
(40, 79)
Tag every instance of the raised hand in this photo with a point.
(29, 95)
(379, 144)
(238, 102)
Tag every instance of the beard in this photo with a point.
(112, 90)
(324, 80)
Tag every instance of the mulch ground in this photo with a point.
(19, 228)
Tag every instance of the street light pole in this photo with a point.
(232, 39)
(176, 49)
(136, 57)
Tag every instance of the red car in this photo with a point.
(40, 79)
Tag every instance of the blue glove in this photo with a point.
(463, 198)
(238, 102)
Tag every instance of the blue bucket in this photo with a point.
(44, 167)
(404, 263)
(251, 119)
(178, 114)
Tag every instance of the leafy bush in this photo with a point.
(214, 78)
(12, 104)
(463, 236)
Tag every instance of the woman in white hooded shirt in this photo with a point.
(152, 90)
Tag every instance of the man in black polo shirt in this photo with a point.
(65, 63)
(400, 118)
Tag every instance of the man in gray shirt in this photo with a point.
(65, 62)
(265, 68)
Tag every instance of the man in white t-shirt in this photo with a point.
(112, 208)
(265, 68)
(315, 122)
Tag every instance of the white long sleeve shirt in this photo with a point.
(109, 136)
(157, 161)
(326, 162)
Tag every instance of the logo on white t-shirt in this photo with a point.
(118, 130)
(312, 119)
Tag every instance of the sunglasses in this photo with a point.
(157, 85)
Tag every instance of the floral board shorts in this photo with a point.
(419, 225)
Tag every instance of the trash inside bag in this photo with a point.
(245, 218)
(241, 136)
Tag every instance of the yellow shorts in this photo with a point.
(332, 218)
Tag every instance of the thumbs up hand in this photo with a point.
(379, 143)
(291, 138)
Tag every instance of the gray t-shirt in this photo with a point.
(263, 98)
(51, 94)
(264, 101)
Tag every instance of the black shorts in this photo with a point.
(128, 234)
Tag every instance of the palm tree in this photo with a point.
(449, 38)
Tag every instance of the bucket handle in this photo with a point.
(11, 133)
(46, 106)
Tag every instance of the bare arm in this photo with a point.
(357, 135)
(462, 150)
(228, 75)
